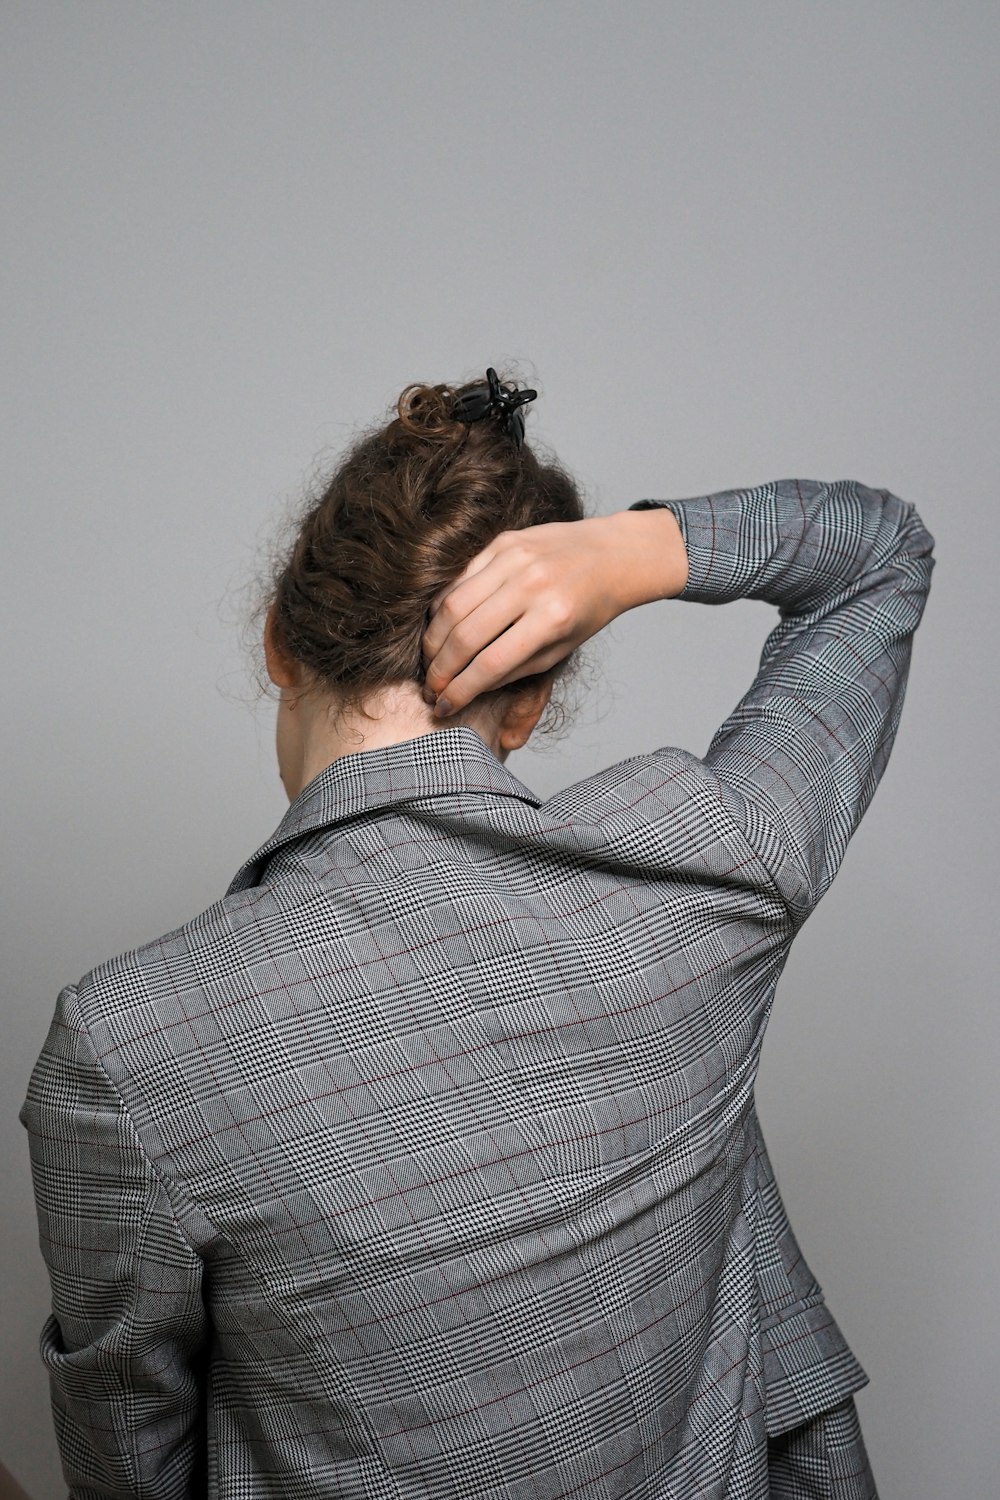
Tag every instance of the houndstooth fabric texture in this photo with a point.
(825, 1459)
(425, 1162)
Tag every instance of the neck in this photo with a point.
(311, 737)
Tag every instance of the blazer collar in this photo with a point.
(442, 763)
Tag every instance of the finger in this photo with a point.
(454, 604)
(506, 659)
(540, 662)
(471, 634)
(501, 549)
(471, 568)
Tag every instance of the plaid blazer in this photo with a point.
(425, 1162)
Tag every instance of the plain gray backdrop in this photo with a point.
(728, 243)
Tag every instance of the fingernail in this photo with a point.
(429, 696)
(442, 708)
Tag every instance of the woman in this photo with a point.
(425, 1161)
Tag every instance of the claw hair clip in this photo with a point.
(493, 399)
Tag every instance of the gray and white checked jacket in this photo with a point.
(425, 1162)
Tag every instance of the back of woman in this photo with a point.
(425, 1161)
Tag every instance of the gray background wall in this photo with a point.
(730, 242)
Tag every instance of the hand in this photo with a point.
(532, 596)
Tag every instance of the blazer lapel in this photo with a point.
(446, 762)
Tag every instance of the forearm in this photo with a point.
(798, 544)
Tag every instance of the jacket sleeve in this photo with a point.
(124, 1343)
(849, 569)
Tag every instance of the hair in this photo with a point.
(410, 503)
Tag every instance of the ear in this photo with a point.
(522, 713)
(282, 672)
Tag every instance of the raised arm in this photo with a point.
(800, 756)
(849, 569)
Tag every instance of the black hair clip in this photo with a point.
(494, 399)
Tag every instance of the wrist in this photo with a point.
(649, 555)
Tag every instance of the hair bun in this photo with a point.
(424, 411)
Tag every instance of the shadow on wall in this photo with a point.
(9, 1487)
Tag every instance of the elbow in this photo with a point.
(900, 527)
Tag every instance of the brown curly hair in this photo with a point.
(411, 502)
